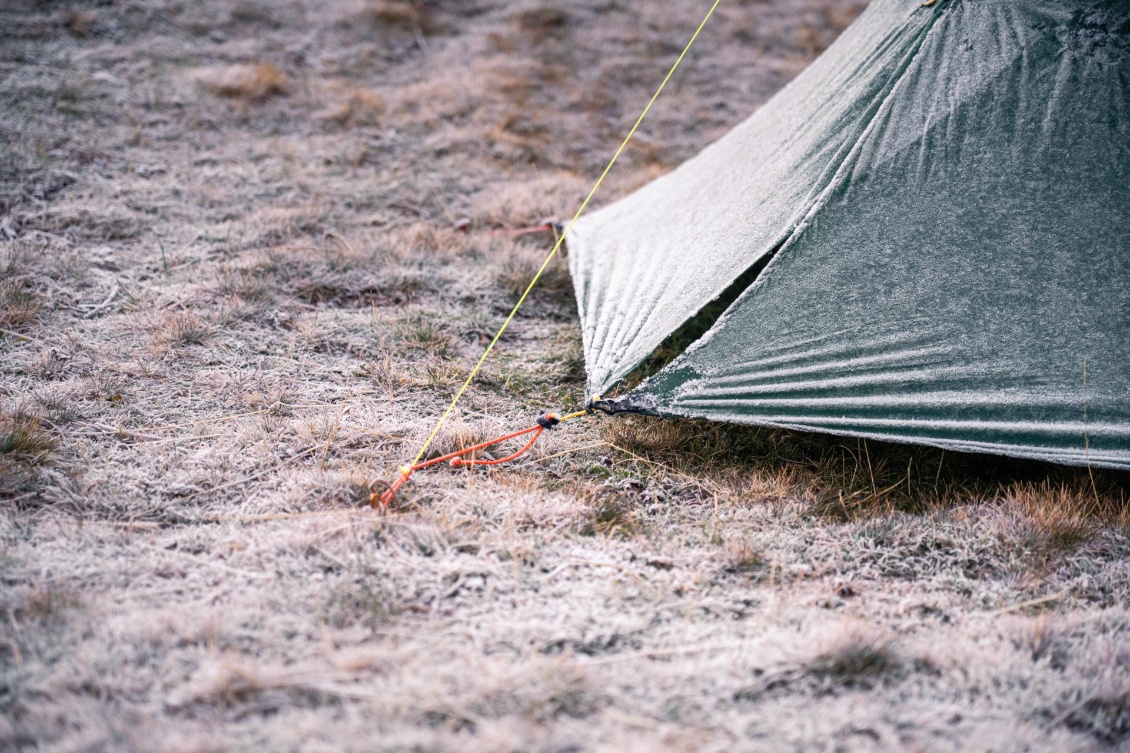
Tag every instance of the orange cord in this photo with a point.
(380, 500)
(457, 462)
(382, 494)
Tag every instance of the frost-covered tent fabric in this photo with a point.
(944, 197)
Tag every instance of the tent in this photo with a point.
(924, 238)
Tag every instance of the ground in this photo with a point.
(248, 251)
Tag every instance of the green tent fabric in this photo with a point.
(945, 194)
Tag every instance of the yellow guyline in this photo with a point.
(557, 245)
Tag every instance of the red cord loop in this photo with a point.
(459, 461)
(382, 498)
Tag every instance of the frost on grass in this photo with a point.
(233, 296)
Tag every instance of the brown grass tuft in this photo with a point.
(402, 14)
(42, 603)
(245, 284)
(256, 83)
(24, 443)
(542, 21)
(225, 683)
(184, 328)
(529, 202)
(361, 107)
(422, 332)
(1056, 517)
(609, 516)
(22, 436)
(519, 265)
(19, 304)
(277, 225)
